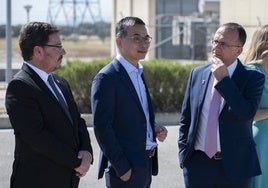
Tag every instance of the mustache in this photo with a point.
(60, 58)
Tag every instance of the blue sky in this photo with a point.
(39, 11)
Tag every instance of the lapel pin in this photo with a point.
(203, 82)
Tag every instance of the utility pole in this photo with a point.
(28, 8)
(75, 12)
(8, 72)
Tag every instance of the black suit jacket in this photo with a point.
(46, 142)
(119, 120)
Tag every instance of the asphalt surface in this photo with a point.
(170, 175)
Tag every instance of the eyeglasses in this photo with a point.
(58, 47)
(223, 44)
(139, 39)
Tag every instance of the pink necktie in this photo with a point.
(211, 131)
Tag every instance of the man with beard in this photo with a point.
(52, 144)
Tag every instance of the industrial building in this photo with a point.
(181, 29)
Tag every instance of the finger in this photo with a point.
(79, 156)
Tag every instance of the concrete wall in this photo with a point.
(249, 13)
(159, 16)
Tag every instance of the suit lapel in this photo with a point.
(126, 81)
(37, 80)
(237, 75)
(40, 83)
(123, 75)
(237, 78)
(150, 106)
(63, 87)
(205, 77)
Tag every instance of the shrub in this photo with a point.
(165, 79)
(80, 75)
(167, 82)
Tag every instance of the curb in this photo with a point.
(161, 119)
(4, 122)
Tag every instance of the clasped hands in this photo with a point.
(86, 159)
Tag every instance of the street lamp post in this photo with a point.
(8, 72)
(28, 8)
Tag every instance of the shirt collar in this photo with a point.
(128, 66)
(231, 68)
(42, 74)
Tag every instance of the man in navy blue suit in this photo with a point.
(234, 160)
(123, 116)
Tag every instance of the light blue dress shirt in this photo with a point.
(135, 76)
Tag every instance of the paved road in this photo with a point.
(170, 175)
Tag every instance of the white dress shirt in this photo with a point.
(201, 133)
(44, 76)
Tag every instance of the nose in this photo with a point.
(217, 45)
(63, 52)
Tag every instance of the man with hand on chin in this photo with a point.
(216, 146)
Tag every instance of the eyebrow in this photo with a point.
(136, 34)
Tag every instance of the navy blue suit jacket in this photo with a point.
(241, 93)
(119, 121)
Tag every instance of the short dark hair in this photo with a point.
(125, 23)
(34, 34)
(241, 31)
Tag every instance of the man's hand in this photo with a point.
(161, 133)
(126, 176)
(219, 69)
(85, 163)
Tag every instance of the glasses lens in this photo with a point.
(137, 39)
(218, 43)
(147, 39)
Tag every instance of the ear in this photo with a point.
(118, 42)
(38, 52)
(239, 51)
